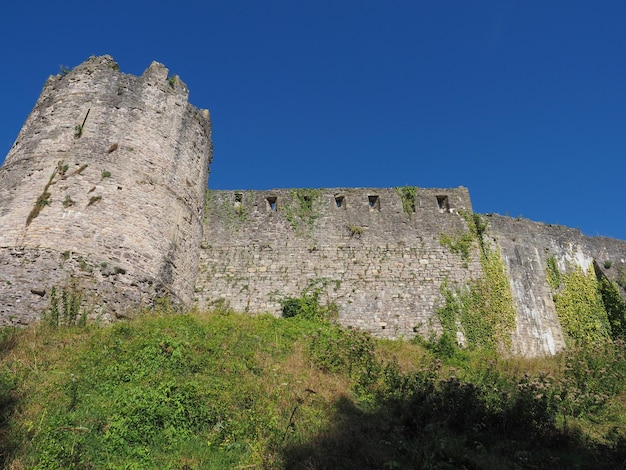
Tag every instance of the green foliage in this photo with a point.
(355, 231)
(592, 376)
(460, 243)
(64, 70)
(231, 212)
(553, 274)
(351, 353)
(615, 307)
(43, 199)
(78, 131)
(105, 174)
(9, 398)
(579, 307)
(148, 394)
(225, 390)
(482, 311)
(308, 304)
(62, 168)
(477, 224)
(408, 196)
(621, 277)
(93, 200)
(300, 208)
(64, 308)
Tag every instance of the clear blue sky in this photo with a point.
(523, 102)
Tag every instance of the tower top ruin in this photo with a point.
(106, 181)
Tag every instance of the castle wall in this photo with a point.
(110, 169)
(103, 195)
(525, 247)
(384, 267)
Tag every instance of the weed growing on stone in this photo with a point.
(93, 200)
(355, 231)
(308, 305)
(553, 274)
(64, 308)
(408, 196)
(300, 209)
(44, 198)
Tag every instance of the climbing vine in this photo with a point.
(615, 307)
(553, 275)
(408, 196)
(579, 305)
(482, 311)
(231, 211)
(459, 243)
(300, 208)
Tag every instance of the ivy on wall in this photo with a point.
(408, 196)
(231, 212)
(579, 305)
(300, 209)
(481, 311)
(615, 307)
(553, 275)
(460, 243)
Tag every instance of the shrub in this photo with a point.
(308, 304)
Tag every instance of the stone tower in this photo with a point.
(103, 191)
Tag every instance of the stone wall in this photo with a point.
(384, 265)
(110, 169)
(525, 247)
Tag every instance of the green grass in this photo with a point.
(225, 390)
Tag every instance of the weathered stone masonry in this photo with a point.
(386, 265)
(105, 192)
(104, 186)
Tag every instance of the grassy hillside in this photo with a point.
(224, 390)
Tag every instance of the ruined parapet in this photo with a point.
(106, 183)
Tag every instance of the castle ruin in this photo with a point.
(105, 192)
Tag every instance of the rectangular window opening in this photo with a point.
(340, 202)
(271, 203)
(374, 203)
(443, 204)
